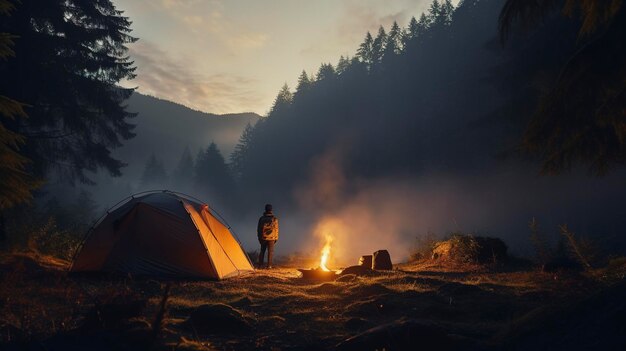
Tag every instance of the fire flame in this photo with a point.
(326, 253)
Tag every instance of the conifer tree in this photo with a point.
(343, 64)
(182, 176)
(153, 173)
(326, 73)
(393, 46)
(240, 153)
(304, 85)
(447, 10)
(16, 183)
(67, 76)
(282, 100)
(378, 46)
(212, 175)
(365, 53)
(434, 12)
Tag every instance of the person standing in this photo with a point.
(267, 232)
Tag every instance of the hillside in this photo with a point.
(166, 128)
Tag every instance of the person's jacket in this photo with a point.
(267, 228)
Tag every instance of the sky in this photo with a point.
(230, 56)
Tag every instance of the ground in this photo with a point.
(42, 307)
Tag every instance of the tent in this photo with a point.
(162, 234)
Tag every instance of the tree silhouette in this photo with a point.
(72, 55)
(153, 173)
(182, 176)
(282, 100)
(212, 175)
(581, 120)
(365, 52)
(304, 85)
(238, 157)
(378, 46)
(16, 183)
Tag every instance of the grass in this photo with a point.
(42, 301)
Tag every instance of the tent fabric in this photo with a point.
(162, 234)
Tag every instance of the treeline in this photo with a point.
(207, 176)
(433, 96)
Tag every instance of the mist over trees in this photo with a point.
(441, 95)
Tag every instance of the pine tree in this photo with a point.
(365, 53)
(434, 13)
(67, 74)
(378, 46)
(282, 100)
(212, 175)
(16, 184)
(326, 73)
(153, 173)
(182, 176)
(240, 153)
(447, 10)
(393, 46)
(304, 85)
(343, 64)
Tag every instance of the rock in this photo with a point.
(404, 335)
(366, 261)
(382, 260)
(217, 318)
(356, 270)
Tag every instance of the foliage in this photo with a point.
(423, 247)
(16, 183)
(212, 175)
(581, 118)
(581, 249)
(71, 55)
(154, 173)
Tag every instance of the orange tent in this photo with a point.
(162, 234)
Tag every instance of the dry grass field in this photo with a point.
(415, 305)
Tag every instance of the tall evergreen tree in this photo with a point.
(240, 153)
(326, 73)
(393, 45)
(434, 13)
(304, 85)
(72, 55)
(282, 100)
(182, 176)
(378, 46)
(153, 173)
(365, 51)
(343, 64)
(212, 175)
(447, 10)
(16, 183)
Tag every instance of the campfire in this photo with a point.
(322, 272)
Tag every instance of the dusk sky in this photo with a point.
(233, 56)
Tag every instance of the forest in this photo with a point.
(479, 117)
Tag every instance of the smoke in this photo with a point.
(390, 213)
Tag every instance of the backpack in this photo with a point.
(269, 228)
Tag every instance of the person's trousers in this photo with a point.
(269, 246)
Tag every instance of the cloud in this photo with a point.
(160, 75)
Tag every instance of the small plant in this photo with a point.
(424, 245)
(581, 249)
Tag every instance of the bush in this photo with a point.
(469, 249)
(48, 239)
(423, 248)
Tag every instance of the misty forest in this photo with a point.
(456, 181)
